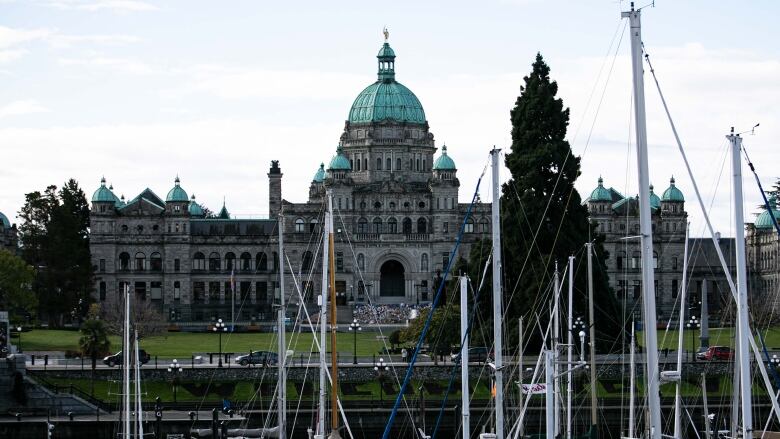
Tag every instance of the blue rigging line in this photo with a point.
(410, 368)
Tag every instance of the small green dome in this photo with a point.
(764, 221)
(223, 213)
(194, 208)
(386, 99)
(655, 202)
(444, 162)
(103, 194)
(600, 193)
(319, 176)
(672, 193)
(4, 221)
(339, 162)
(120, 202)
(177, 193)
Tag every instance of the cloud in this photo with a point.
(22, 107)
(12, 37)
(125, 65)
(11, 55)
(102, 5)
(67, 41)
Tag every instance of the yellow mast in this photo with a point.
(334, 391)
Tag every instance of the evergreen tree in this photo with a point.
(55, 239)
(543, 218)
(15, 280)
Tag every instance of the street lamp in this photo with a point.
(354, 327)
(380, 367)
(580, 326)
(219, 328)
(693, 324)
(175, 369)
(775, 361)
(19, 331)
(582, 346)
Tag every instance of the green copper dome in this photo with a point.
(600, 193)
(386, 99)
(444, 162)
(655, 202)
(339, 162)
(120, 202)
(4, 221)
(672, 193)
(103, 194)
(763, 221)
(177, 193)
(194, 208)
(319, 176)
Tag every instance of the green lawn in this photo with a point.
(184, 344)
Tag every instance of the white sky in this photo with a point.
(141, 91)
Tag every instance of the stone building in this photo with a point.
(396, 220)
(763, 256)
(8, 235)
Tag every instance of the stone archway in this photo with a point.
(392, 281)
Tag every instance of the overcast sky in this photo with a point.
(141, 91)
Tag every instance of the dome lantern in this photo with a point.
(339, 162)
(177, 194)
(600, 193)
(655, 202)
(103, 194)
(672, 194)
(444, 162)
(319, 176)
(194, 208)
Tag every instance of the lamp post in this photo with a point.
(219, 328)
(582, 345)
(775, 361)
(693, 323)
(579, 325)
(354, 327)
(19, 331)
(380, 367)
(175, 369)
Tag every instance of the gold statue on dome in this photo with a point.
(386, 32)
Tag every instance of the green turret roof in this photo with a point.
(672, 193)
(177, 193)
(600, 193)
(764, 221)
(339, 162)
(223, 213)
(444, 162)
(386, 99)
(655, 202)
(319, 176)
(194, 208)
(4, 221)
(103, 194)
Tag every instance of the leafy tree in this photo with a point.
(443, 333)
(543, 218)
(94, 343)
(16, 279)
(55, 239)
(394, 339)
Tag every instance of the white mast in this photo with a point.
(549, 399)
(645, 225)
(570, 347)
(632, 383)
(497, 295)
(464, 356)
(323, 328)
(556, 314)
(138, 407)
(520, 370)
(742, 301)
(282, 346)
(126, 363)
(680, 335)
(592, 342)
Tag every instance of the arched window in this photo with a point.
(276, 261)
(361, 261)
(313, 224)
(635, 258)
(655, 259)
(198, 261)
(389, 164)
(124, 261)
(140, 261)
(621, 260)
(306, 261)
(299, 225)
(214, 262)
(406, 225)
(418, 164)
(424, 262)
(422, 225)
(377, 225)
(262, 262)
(230, 261)
(398, 164)
(155, 261)
(176, 290)
(392, 225)
(365, 164)
(469, 228)
(362, 225)
(484, 225)
(379, 164)
(246, 261)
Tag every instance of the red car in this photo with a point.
(724, 353)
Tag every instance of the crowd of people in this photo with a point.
(386, 314)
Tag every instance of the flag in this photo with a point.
(232, 282)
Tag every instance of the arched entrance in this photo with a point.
(392, 279)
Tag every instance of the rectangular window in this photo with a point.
(445, 227)
(339, 261)
(156, 290)
(198, 292)
(102, 291)
(246, 290)
(674, 263)
(213, 292)
(637, 289)
(176, 264)
(176, 290)
(102, 265)
(674, 288)
(445, 260)
(619, 262)
(140, 290)
(228, 291)
(261, 289)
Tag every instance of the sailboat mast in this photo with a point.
(334, 390)
(680, 335)
(126, 363)
(323, 327)
(464, 357)
(139, 411)
(592, 343)
(569, 347)
(497, 295)
(632, 383)
(645, 227)
(554, 346)
(742, 302)
(282, 346)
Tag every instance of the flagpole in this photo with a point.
(232, 300)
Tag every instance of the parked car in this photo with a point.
(477, 354)
(265, 358)
(716, 353)
(116, 359)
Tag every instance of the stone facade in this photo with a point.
(8, 235)
(763, 258)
